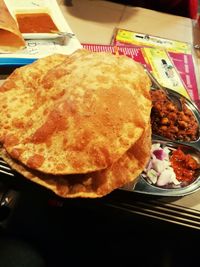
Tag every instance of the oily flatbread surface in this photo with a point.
(10, 37)
(95, 184)
(74, 114)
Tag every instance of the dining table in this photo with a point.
(94, 22)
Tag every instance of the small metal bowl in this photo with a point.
(194, 110)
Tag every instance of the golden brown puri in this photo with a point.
(95, 184)
(74, 114)
(10, 37)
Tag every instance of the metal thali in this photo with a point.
(189, 147)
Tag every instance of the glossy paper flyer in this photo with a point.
(170, 61)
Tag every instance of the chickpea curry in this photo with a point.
(171, 123)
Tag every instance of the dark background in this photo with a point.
(40, 229)
(176, 7)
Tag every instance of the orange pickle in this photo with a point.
(169, 122)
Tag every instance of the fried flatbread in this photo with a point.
(96, 184)
(10, 37)
(76, 114)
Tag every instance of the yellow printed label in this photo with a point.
(140, 39)
(164, 71)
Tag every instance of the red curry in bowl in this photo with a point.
(168, 121)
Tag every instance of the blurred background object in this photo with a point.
(185, 8)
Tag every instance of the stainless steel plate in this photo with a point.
(144, 187)
(192, 147)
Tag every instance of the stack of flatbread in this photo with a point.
(77, 124)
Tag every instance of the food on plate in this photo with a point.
(170, 122)
(170, 167)
(10, 37)
(94, 184)
(184, 166)
(77, 117)
(73, 123)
